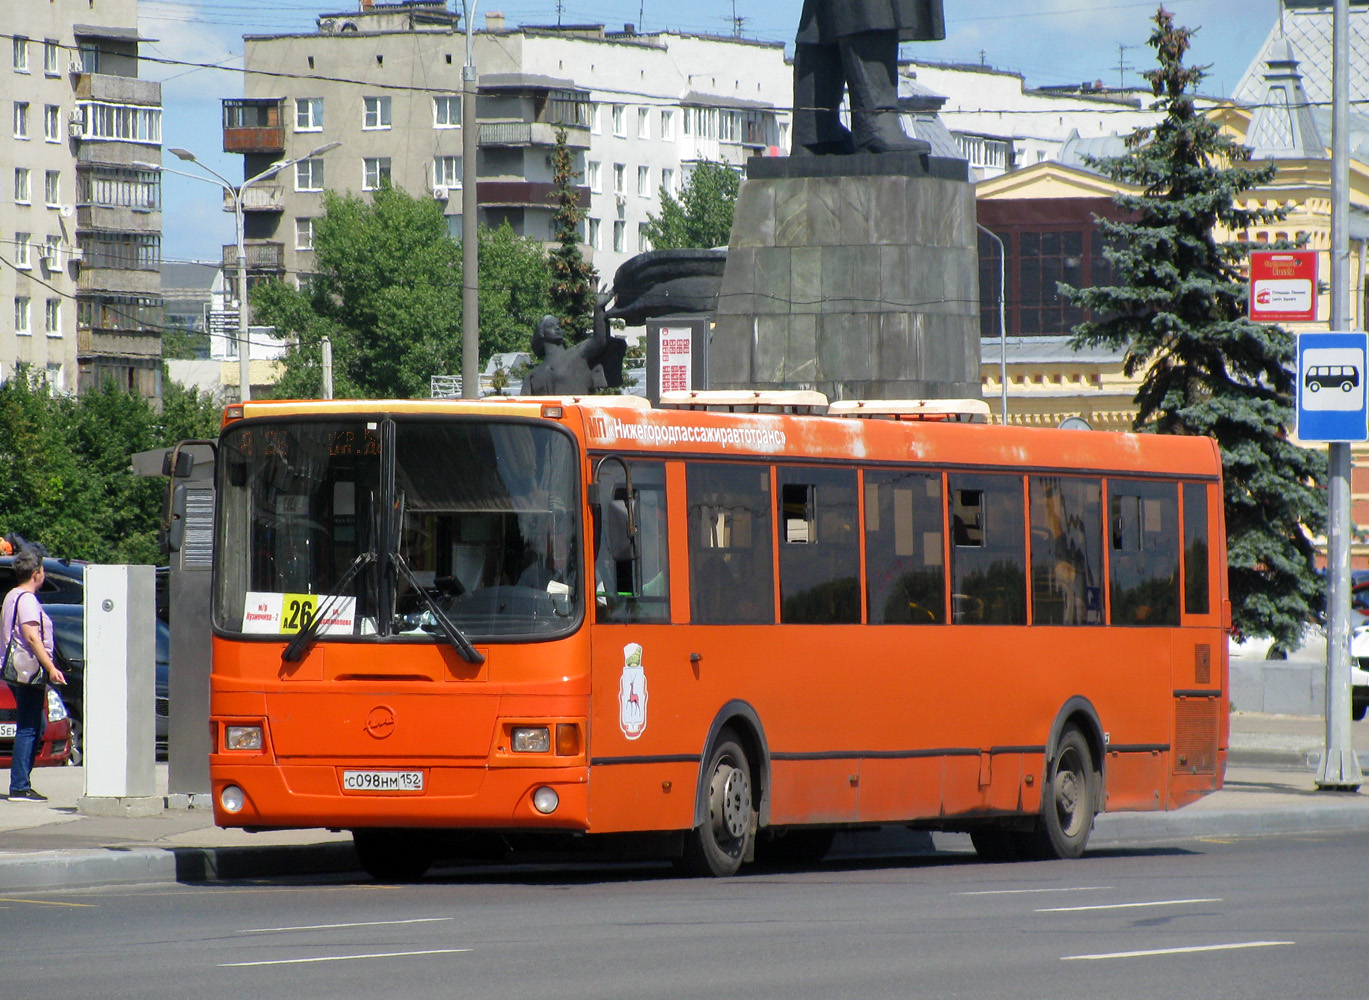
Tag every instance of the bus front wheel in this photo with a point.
(724, 840)
(1066, 818)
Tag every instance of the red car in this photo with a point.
(55, 748)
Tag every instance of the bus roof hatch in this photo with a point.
(793, 401)
(966, 410)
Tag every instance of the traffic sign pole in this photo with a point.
(1339, 769)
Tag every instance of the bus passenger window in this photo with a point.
(1144, 564)
(731, 568)
(1196, 600)
(632, 576)
(819, 547)
(1067, 550)
(905, 578)
(988, 551)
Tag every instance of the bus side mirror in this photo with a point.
(175, 524)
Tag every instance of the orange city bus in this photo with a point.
(722, 635)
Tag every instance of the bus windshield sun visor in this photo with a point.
(445, 625)
(300, 644)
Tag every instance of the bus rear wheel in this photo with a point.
(1067, 799)
(392, 855)
(724, 840)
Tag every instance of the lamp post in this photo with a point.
(1002, 316)
(236, 192)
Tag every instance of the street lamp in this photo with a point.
(237, 191)
(470, 244)
(1002, 317)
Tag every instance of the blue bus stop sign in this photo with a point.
(1331, 386)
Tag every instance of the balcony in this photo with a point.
(258, 198)
(261, 256)
(254, 125)
(520, 134)
(117, 89)
(523, 194)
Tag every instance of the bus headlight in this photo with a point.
(242, 738)
(232, 799)
(531, 739)
(545, 800)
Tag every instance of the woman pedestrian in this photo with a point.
(23, 619)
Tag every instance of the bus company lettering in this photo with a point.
(608, 428)
(632, 693)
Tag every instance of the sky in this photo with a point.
(1047, 41)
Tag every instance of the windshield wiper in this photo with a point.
(300, 644)
(449, 629)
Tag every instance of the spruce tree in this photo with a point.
(572, 278)
(1179, 309)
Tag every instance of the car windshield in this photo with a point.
(479, 514)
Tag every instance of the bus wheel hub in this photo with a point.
(730, 793)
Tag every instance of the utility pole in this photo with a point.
(327, 345)
(1339, 770)
(470, 236)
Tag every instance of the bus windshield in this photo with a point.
(347, 518)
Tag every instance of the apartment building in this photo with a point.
(80, 216)
(384, 81)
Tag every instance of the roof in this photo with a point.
(105, 31)
(1306, 26)
(1284, 125)
(526, 81)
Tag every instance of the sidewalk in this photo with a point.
(1270, 789)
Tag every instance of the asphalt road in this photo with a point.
(1269, 918)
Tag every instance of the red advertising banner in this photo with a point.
(1283, 286)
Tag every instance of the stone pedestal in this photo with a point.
(857, 276)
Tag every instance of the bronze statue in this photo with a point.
(594, 363)
(853, 45)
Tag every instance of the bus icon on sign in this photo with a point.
(1343, 377)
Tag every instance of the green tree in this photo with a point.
(1178, 308)
(387, 292)
(572, 279)
(702, 217)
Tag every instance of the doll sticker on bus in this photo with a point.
(632, 693)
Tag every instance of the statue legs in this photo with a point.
(818, 85)
(869, 61)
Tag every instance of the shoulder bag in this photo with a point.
(20, 666)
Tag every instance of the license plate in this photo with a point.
(8, 729)
(382, 781)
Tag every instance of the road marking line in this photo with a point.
(1126, 906)
(330, 927)
(1017, 892)
(341, 958)
(43, 902)
(1175, 951)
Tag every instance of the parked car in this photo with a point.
(68, 629)
(65, 583)
(55, 748)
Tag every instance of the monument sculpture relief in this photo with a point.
(594, 363)
(852, 46)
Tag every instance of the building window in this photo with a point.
(375, 172)
(620, 121)
(309, 175)
(729, 126)
(21, 119)
(644, 182)
(21, 315)
(595, 234)
(376, 113)
(21, 185)
(594, 127)
(668, 125)
(446, 171)
(21, 54)
(52, 188)
(447, 111)
(121, 251)
(593, 176)
(21, 250)
(668, 180)
(52, 123)
(120, 122)
(90, 57)
(620, 178)
(619, 235)
(308, 114)
(52, 55)
(643, 240)
(304, 234)
(119, 187)
(643, 123)
(52, 318)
